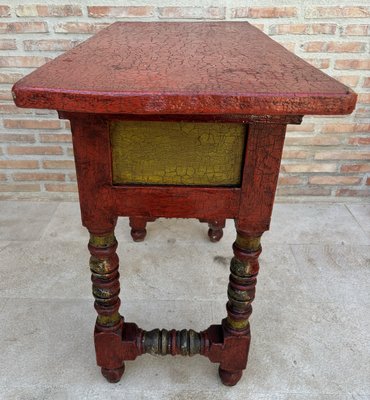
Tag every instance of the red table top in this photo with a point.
(183, 68)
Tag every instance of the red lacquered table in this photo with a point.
(183, 120)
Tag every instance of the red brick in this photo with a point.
(19, 164)
(311, 167)
(263, 12)
(334, 47)
(23, 61)
(368, 181)
(9, 77)
(61, 187)
(362, 112)
(305, 127)
(303, 191)
(355, 168)
(3, 177)
(31, 124)
(7, 44)
(321, 63)
(313, 141)
(79, 27)
(13, 109)
(290, 180)
(303, 29)
(23, 27)
(346, 47)
(343, 155)
(120, 11)
(356, 30)
(288, 45)
(58, 164)
(72, 177)
(323, 29)
(358, 141)
(314, 46)
(4, 11)
(16, 137)
(294, 154)
(366, 83)
(6, 95)
(49, 45)
(353, 193)
(363, 98)
(16, 187)
(40, 10)
(192, 12)
(345, 128)
(348, 80)
(34, 150)
(55, 138)
(333, 180)
(337, 12)
(38, 176)
(352, 64)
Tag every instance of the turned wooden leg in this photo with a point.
(215, 231)
(241, 291)
(113, 375)
(138, 227)
(109, 323)
(226, 344)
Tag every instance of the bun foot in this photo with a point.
(138, 235)
(113, 375)
(229, 378)
(215, 234)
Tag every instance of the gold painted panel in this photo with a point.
(177, 153)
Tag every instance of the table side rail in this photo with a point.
(176, 201)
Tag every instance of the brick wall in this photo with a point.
(326, 157)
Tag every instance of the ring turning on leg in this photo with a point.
(241, 291)
(227, 344)
(105, 278)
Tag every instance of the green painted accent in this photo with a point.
(102, 241)
(248, 243)
(177, 153)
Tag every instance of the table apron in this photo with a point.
(176, 202)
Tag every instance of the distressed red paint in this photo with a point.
(225, 72)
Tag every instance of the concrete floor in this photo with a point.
(310, 325)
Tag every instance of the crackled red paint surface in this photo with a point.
(209, 72)
(183, 68)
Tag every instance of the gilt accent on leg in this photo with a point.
(104, 266)
(241, 291)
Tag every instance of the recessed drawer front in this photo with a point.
(177, 153)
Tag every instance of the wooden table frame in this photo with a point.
(249, 205)
(237, 74)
